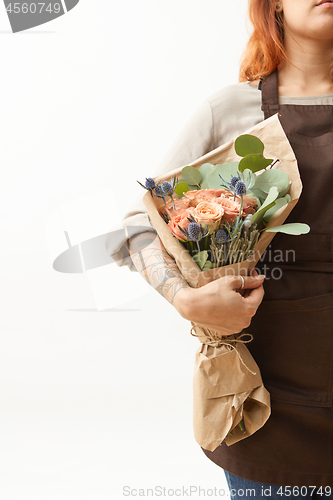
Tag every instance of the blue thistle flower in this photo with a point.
(221, 236)
(150, 183)
(230, 186)
(167, 188)
(240, 188)
(194, 231)
(234, 180)
(159, 191)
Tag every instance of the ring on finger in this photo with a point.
(243, 282)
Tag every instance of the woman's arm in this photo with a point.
(217, 305)
(155, 265)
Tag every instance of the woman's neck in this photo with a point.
(308, 71)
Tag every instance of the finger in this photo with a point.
(255, 297)
(236, 282)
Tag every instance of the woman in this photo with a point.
(291, 51)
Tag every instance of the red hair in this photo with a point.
(264, 51)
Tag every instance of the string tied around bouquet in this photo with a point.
(214, 340)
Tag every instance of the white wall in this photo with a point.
(93, 400)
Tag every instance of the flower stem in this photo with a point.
(241, 207)
(274, 163)
(242, 426)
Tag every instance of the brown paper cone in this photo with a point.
(227, 386)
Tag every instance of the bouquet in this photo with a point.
(216, 217)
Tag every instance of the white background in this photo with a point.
(92, 401)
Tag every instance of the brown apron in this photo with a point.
(293, 327)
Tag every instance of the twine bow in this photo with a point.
(215, 341)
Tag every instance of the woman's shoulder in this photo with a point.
(236, 94)
(235, 108)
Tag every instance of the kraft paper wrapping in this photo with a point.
(227, 385)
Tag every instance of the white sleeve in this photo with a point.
(195, 140)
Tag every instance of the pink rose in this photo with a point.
(179, 218)
(197, 196)
(219, 192)
(179, 204)
(207, 213)
(191, 196)
(231, 209)
(247, 201)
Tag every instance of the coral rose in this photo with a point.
(192, 196)
(231, 209)
(179, 204)
(197, 196)
(247, 201)
(207, 213)
(179, 218)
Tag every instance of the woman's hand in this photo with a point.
(219, 306)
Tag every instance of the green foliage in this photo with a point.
(191, 175)
(181, 188)
(257, 193)
(295, 229)
(280, 202)
(201, 258)
(208, 265)
(257, 218)
(213, 179)
(247, 144)
(273, 177)
(204, 170)
(254, 162)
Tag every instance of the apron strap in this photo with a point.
(270, 95)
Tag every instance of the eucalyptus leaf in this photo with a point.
(295, 228)
(284, 191)
(181, 188)
(248, 144)
(226, 170)
(258, 193)
(279, 203)
(200, 258)
(268, 203)
(252, 195)
(271, 178)
(254, 162)
(194, 187)
(204, 170)
(191, 175)
(205, 185)
(208, 265)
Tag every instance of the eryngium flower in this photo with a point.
(194, 231)
(150, 183)
(167, 188)
(234, 180)
(159, 191)
(240, 188)
(221, 236)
